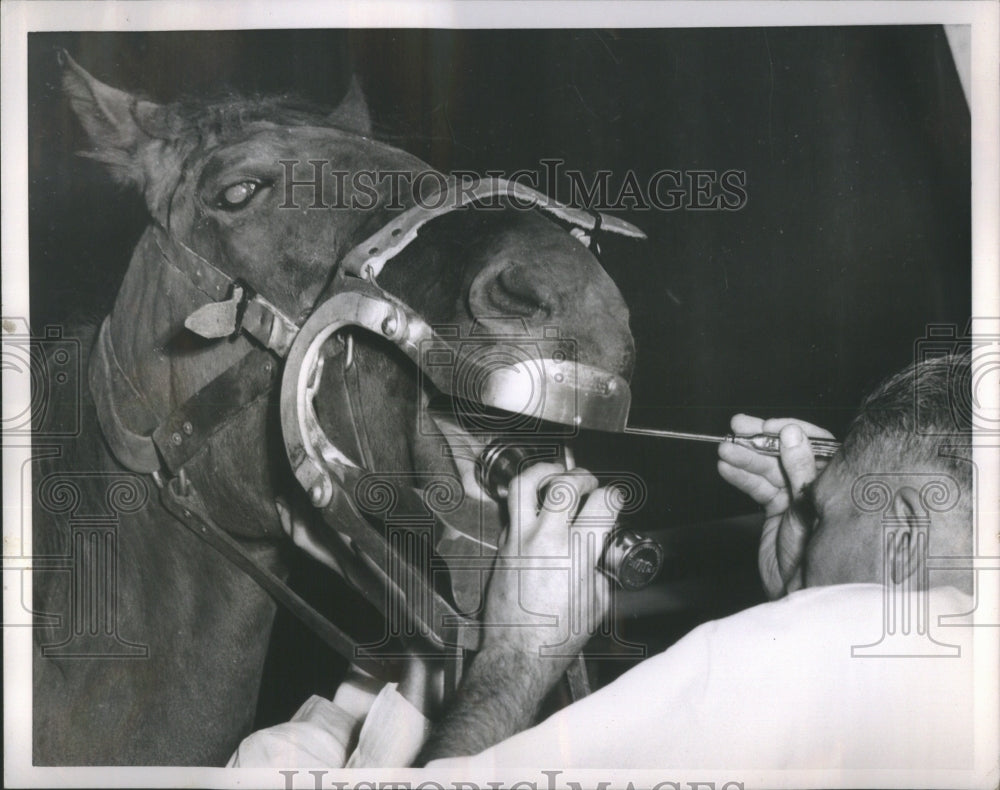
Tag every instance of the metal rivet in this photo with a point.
(389, 325)
(267, 367)
(188, 428)
(176, 438)
(610, 386)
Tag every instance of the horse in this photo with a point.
(168, 671)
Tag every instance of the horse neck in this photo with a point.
(163, 361)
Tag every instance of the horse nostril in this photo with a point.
(516, 290)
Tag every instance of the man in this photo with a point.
(826, 675)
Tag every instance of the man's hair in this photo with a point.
(919, 416)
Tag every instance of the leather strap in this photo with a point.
(257, 317)
(109, 386)
(189, 509)
(190, 427)
(271, 327)
(133, 431)
(203, 274)
(368, 258)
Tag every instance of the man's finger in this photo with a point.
(566, 492)
(522, 499)
(599, 512)
(755, 463)
(797, 459)
(593, 524)
(591, 528)
(759, 489)
(776, 424)
(744, 423)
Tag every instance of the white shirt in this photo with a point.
(781, 685)
(367, 724)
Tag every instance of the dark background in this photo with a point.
(855, 235)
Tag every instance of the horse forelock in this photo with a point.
(230, 117)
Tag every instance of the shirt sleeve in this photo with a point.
(392, 733)
(367, 725)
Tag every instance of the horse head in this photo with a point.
(254, 204)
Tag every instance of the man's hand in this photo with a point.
(777, 485)
(544, 600)
(542, 594)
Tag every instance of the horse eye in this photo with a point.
(238, 195)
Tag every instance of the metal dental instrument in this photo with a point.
(763, 443)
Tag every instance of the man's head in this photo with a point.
(904, 472)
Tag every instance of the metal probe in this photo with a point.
(763, 443)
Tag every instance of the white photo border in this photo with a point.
(21, 17)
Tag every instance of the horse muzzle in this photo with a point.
(519, 381)
(505, 376)
(507, 373)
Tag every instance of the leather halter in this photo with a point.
(138, 438)
(163, 447)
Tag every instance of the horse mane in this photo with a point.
(229, 116)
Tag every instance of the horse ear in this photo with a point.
(110, 118)
(352, 113)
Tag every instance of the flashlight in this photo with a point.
(628, 559)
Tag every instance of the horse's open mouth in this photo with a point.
(472, 431)
(504, 395)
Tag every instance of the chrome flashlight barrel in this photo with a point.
(500, 463)
(628, 559)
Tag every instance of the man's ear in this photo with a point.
(908, 514)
